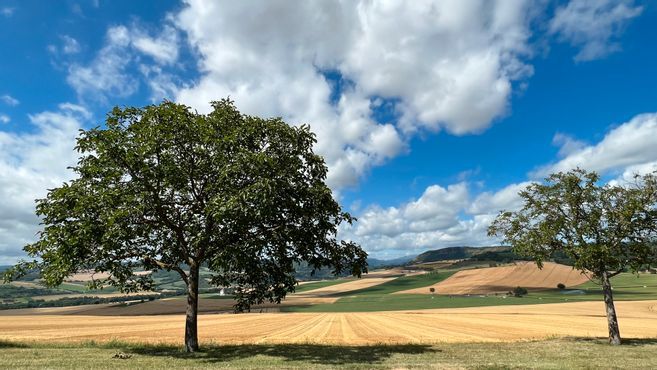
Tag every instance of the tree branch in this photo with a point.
(167, 266)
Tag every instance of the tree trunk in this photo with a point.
(612, 320)
(191, 330)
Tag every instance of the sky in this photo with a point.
(431, 115)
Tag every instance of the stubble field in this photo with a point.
(476, 324)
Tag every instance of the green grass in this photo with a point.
(401, 283)
(549, 354)
(82, 288)
(627, 287)
(319, 284)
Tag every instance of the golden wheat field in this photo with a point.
(505, 278)
(477, 324)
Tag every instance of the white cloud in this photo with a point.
(630, 144)
(9, 100)
(440, 217)
(164, 48)
(106, 74)
(30, 164)
(491, 203)
(163, 85)
(443, 65)
(593, 25)
(70, 45)
(628, 175)
(109, 74)
(450, 216)
(567, 144)
(4, 118)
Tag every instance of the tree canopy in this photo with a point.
(163, 187)
(605, 229)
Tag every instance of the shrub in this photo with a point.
(519, 291)
(561, 286)
(432, 290)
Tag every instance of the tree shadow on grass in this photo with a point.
(311, 353)
(9, 344)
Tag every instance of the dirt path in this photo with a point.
(481, 324)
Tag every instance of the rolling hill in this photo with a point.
(457, 253)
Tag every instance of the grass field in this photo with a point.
(380, 298)
(571, 353)
(401, 283)
(319, 284)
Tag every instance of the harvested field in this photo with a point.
(170, 306)
(53, 297)
(167, 306)
(638, 319)
(505, 278)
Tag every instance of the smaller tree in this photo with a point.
(604, 229)
(561, 286)
(432, 290)
(519, 291)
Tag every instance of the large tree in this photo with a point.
(604, 229)
(163, 187)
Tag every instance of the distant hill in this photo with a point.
(457, 253)
(400, 261)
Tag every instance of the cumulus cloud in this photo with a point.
(4, 118)
(593, 25)
(31, 163)
(630, 144)
(442, 64)
(440, 217)
(507, 198)
(448, 216)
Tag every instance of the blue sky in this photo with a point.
(431, 115)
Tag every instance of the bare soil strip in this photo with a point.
(505, 278)
(638, 319)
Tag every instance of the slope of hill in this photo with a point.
(504, 279)
(377, 263)
(456, 253)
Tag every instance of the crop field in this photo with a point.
(355, 323)
(505, 278)
(475, 324)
